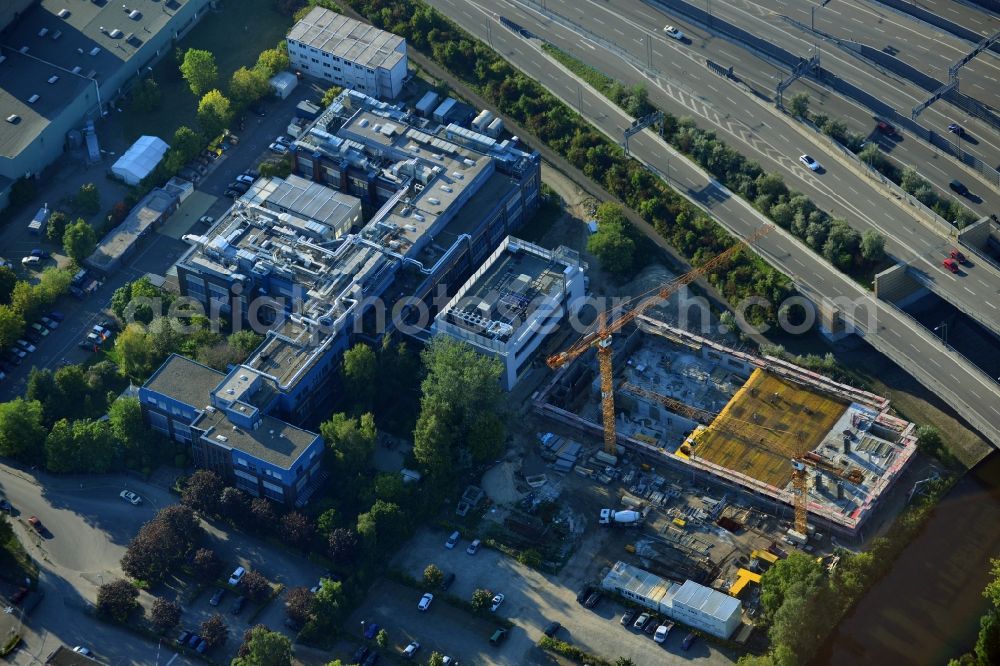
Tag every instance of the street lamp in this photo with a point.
(943, 327)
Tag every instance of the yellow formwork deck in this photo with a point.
(765, 424)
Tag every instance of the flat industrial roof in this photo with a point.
(312, 201)
(710, 602)
(275, 441)
(120, 239)
(637, 581)
(348, 38)
(92, 39)
(185, 380)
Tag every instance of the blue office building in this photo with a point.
(226, 418)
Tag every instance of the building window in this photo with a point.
(158, 422)
(243, 475)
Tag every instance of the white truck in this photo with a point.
(624, 518)
(37, 224)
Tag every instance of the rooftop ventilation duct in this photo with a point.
(63, 13)
(53, 78)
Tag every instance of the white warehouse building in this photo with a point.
(331, 47)
(516, 298)
(692, 604)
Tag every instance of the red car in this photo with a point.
(950, 265)
(37, 524)
(958, 256)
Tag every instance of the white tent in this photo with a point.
(140, 159)
(283, 83)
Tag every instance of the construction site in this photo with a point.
(760, 425)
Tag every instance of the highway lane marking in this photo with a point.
(969, 290)
(712, 88)
(588, 44)
(932, 360)
(851, 188)
(597, 20)
(618, 31)
(991, 305)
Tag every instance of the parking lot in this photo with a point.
(532, 600)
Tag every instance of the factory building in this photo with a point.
(513, 301)
(692, 604)
(341, 50)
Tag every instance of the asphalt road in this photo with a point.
(686, 87)
(87, 529)
(532, 600)
(974, 395)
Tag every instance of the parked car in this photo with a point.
(425, 601)
(641, 621)
(40, 253)
(49, 323)
(237, 576)
(283, 140)
(592, 600)
(552, 628)
(206, 219)
(473, 547)
(410, 650)
(79, 649)
(359, 654)
(130, 497)
(31, 262)
(40, 330)
(688, 640)
(202, 646)
(671, 31)
(183, 638)
(448, 579)
(661, 632)
(217, 597)
(194, 640)
(55, 315)
(810, 163)
(238, 605)
(452, 540)
(584, 592)
(278, 148)
(5, 506)
(497, 601)
(498, 637)
(244, 179)
(627, 617)
(26, 346)
(371, 629)
(651, 626)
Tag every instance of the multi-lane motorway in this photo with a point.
(974, 395)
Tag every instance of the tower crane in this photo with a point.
(600, 335)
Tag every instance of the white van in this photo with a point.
(452, 540)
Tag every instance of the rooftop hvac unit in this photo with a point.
(115, 34)
(63, 13)
(13, 119)
(77, 69)
(23, 49)
(56, 35)
(446, 188)
(418, 217)
(433, 201)
(33, 99)
(94, 51)
(43, 32)
(53, 78)
(135, 15)
(409, 227)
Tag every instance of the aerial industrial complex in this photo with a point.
(754, 423)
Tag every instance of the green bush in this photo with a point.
(571, 652)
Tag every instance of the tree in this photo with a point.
(87, 200)
(117, 600)
(433, 577)
(296, 529)
(872, 246)
(146, 96)
(342, 546)
(184, 147)
(245, 342)
(436, 659)
(299, 604)
(481, 599)
(841, 244)
(207, 564)
(11, 325)
(262, 647)
(234, 504)
(255, 586)
(624, 661)
(272, 61)
(798, 105)
(361, 375)
(214, 630)
(202, 492)
(214, 113)
(263, 515)
(248, 85)
(165, 614)
(350, 443)
(988, 642)
(22, 433)
(330, 607)
(329, 95)
(383, 527)
(382, 638)
(199, 70)
(612, 243)
(125, 416)
(8, 278)
(79, 241)
(327, 522)
(275, 167)
(134, 351)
